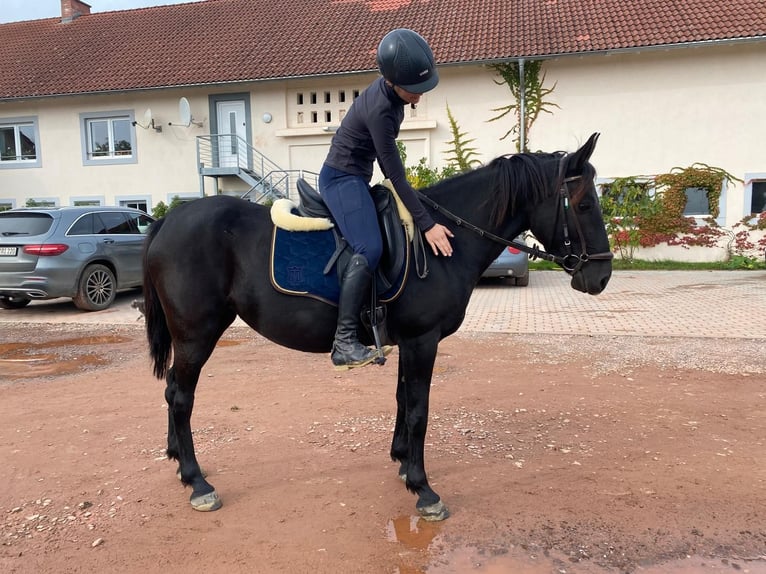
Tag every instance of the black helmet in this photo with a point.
(406, 60)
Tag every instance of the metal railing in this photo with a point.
(229, 154)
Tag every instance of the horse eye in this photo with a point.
(584, 205)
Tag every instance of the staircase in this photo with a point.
(228, 155)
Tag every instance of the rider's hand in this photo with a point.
(438, 238)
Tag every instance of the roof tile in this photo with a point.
(225, 41)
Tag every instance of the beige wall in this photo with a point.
(655, 110)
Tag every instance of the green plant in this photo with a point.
(534, 97)
(625, 203)
(637, 218)
(421, 175)
(462, 157)
(161, 209)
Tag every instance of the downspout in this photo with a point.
(522, 107)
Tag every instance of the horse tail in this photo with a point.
(157, 332)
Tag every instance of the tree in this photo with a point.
(534, 97)
(462, 157)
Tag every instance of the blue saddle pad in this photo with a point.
(298, 260)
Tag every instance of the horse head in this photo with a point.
(570, 225)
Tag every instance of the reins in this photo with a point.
(534, 252)
(571, 262)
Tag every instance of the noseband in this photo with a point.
(571, 262)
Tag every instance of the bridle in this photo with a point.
(571, 262)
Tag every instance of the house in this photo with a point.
(135, 107)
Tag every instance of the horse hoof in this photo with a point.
(207, 502)
(403, 477)
(434, 512)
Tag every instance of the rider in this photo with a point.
(367, 133)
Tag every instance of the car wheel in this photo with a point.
(11, 302)
(522, 281)
(97, 289)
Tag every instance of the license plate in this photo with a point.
(8, 251)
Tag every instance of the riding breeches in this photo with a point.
(348, 198)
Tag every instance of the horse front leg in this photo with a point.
(180, 399)
(400, 444)
(416, 363)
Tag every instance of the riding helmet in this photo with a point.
(405, 59)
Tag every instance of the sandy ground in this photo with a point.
(554, 454)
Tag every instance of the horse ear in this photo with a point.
(581, 156)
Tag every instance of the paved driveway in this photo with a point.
(655, 303)
(729, 304)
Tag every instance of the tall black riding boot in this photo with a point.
(347, 351)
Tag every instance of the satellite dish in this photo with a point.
(148, 121)
(184, 111)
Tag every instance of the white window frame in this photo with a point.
(124, 200)
(87, 200)
(750, 179)
(16, 123)
(46, 201)
(113, 157)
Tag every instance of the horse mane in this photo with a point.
(516, 180)
(521, 179)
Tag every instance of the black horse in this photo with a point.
(208, 261)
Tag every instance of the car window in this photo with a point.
(113, 223)
(140, 222)
(26, 224)
(83, 226)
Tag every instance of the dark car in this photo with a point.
(86, 253)
(511, 264)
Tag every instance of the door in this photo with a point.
(232, 134)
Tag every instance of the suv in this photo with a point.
(86, 253)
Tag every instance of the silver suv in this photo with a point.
(86, 253)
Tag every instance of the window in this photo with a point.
(696, 201)
(139, 223)
(758, 198)
(6, 204)
(135, 204)
(86, 202)
(18, 143)
(112, 223)
(319, 109)
(108, 138)
(41, 202)
(83, 226)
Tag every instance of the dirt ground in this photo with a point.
(553, 453)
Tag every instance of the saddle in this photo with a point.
(299, 257)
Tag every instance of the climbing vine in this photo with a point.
(645, 212)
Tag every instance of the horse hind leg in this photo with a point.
(180, 399)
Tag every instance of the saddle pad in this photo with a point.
(297, 263)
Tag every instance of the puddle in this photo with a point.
(28, 360)
(421, 538)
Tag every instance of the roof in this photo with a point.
(229, 41)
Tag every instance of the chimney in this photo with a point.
(72, 9)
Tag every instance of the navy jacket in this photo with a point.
(368, 132)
